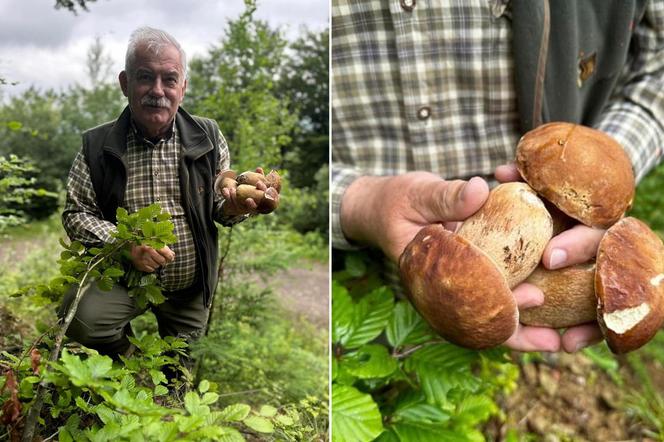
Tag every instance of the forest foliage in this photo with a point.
(260, 373)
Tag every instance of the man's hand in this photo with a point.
(387, 212)
(233, 206)
(574, 246)
(147, 259)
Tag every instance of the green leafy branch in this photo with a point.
(84, 267)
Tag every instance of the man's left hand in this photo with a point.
(574, 246)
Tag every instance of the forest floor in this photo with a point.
(568, 398)
(559, 397)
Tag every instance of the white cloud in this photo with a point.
(47, 48)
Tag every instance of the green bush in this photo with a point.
(306, 209)
(649, 201)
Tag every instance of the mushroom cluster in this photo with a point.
(245, 187)
(461, 281)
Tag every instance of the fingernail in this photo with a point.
(558, 258)
(465, 193)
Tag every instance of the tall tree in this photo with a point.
(235, 85)
(46, 126)
(99, 64)
(304, 83)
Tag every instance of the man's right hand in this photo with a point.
(147, 259)
(387, 212)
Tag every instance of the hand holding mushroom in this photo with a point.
(388, 211)
(460, 282)
(249, 192)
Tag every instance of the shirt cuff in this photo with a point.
(639, 134)
(342, 177)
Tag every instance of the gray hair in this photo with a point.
(155, 40)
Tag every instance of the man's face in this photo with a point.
(155, 89)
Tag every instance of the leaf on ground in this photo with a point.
(259, 424)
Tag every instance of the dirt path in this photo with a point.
(13, 252)
(304, 290)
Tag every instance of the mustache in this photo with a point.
(156, 102)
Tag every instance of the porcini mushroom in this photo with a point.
(460, 282)
(569, 297)
(583, 171)
(629, 284)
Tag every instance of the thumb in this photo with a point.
(453, 200)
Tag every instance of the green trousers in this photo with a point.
(102, 318)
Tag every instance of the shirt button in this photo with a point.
(424, 112)
(408, 5)
(156, 172)
(157, 199)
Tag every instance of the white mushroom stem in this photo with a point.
(623, 320)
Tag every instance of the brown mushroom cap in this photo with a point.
(225, 179)
(272, 179)
(629, 284)
(583, 171)
(569, 297)
(269, 203)
(458, 289)
(513, 228)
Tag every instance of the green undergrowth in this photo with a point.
(263, 374)
(394, 379)
(649, 200)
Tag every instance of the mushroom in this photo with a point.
(583, 171)
(266, 201)
(623, 290)
(461, 282)
(225, 179)
(569, 297)
(629, 284)
(272, 179)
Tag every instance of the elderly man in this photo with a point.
(154, 152)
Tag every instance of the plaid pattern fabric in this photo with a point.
(432, 89)
(152, 177)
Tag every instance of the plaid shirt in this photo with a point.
(431, 88)
(152, 177)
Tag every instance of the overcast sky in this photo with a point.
(45, 47)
